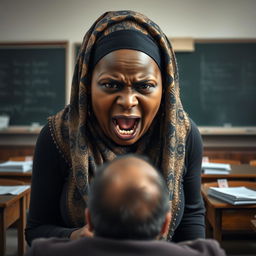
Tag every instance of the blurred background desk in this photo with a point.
(221, 216)
(21, 176)
(13, 210)
(17, 141)
(21, 140)
(244, 172)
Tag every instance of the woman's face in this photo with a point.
(126, 93)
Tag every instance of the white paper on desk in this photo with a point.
(216, 166)
(233, 202)
(235, 193)
(13, 190)
(16, 166)
(215, 171)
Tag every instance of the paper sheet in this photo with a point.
(13, 190)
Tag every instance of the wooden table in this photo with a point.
(221, 216)
(244, 172)
(13, 210)
(23, 176)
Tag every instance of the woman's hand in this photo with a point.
(82, 232)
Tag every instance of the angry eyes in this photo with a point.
(143, 87)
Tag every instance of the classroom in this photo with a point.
(215, 47)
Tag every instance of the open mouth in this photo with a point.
(126, 127)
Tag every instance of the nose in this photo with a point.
(127, 99)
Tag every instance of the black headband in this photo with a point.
(126, 39)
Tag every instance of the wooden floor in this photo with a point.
(236, 247)
(11, 242)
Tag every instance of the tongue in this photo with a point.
(125, 123)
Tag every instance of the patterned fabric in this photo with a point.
(81, 141)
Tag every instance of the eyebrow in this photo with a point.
(110, 80)
(142, 82)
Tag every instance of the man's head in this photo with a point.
(128, 200)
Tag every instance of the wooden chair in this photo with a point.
(224, 161)
(252, 162)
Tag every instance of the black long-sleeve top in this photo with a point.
(47, 213)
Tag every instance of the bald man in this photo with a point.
(128, 211)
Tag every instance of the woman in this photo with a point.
(125, 98)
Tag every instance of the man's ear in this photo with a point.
(166, 225)
(88, 220)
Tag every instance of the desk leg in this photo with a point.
(217, 226)
(21, 227)
(208, 228)
(2, 232)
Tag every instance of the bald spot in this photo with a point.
(131, 184)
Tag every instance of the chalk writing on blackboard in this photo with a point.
(32, 82)
(218, 83)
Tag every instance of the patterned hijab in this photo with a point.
(81, 141)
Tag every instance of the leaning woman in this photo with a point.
(125, 98)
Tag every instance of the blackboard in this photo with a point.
(32, 81)
(218, 82)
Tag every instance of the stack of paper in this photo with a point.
(16, 166)
(13, 190)
(234, 195)
(216, 168)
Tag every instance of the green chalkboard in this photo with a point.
(218, 83)
(32, 81)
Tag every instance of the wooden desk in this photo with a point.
(13, 210)
(244, 172)
(23, 176)
(221, 216)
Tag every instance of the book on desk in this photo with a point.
(215, 168)
(234, 195)
(16, 166)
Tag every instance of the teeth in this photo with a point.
(125, 132)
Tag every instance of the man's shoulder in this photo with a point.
(87, 246)
(208, 247)
(55, 246)
(198, 247)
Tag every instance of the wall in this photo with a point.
(36, 20)
(58, 20)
